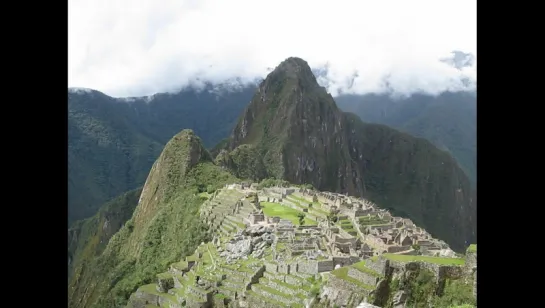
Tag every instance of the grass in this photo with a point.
(220, 296)
(372, 221)
(275, 209)
(342, 273)
(151, 289)
(361, 267)
(205, 195)
(434, 260)
(472, 248)
(302, 203)
(273, 291)
(266, 299)
(182, 265)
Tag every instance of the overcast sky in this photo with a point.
(140, 47)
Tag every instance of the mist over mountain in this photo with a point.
(293, 130)
(131, 131)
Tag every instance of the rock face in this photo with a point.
(251, 241)
(293, 130)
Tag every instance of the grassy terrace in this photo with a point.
(361, 267)
(151, 289)
(266, 299)
(293, 287)
(182, 265)
(347, 226)
(372, 220)
(316, 206)
(205, 195)
(472, 248)
(434, 260)
(275, 209)
(342, 273)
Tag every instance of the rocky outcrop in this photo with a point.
(251, 241)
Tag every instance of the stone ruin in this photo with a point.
(274, 252)
(256, 217)
(252, 241)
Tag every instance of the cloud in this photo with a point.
(140, 47)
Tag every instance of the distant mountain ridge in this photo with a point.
(113, 142)
(131, 131)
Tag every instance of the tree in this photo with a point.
(301, 217)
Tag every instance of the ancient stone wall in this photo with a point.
(284, 268)
(394, 249)
(281, 288)
(345, 240)
(382, 227)
(255, 301)
(271, 267)
(308, 267)
(219, 303)
(380, 265)
(363, 277)
(471, 262)
(305, 227)
(325, 266)
(441, 272)
(255, 277)
(340, 292)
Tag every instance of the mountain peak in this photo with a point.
(183, 152)
(293, 130)
(294, 72)
(293, 67)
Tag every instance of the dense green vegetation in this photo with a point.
(422, 289)
(88, 238)
(434, 260)
(164, 227)
(449, 120)
(112, 143)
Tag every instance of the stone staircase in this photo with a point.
(221, 212)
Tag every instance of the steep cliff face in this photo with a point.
(300, 135)
(164, 226)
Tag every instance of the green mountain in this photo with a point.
(448, 120)
(88, 238)
(112, 143)
(164, 226)
(293, 130)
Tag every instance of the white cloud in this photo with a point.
(139, 47)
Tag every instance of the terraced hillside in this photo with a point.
(275, 263)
